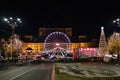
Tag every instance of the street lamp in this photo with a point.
(12, 22)
(117, 22)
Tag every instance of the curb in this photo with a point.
(53, 73)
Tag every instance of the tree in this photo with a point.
(15, 45)
(113, 45)
(3, 48)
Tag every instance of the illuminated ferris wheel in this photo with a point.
(57, 40)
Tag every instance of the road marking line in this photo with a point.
(22, 73)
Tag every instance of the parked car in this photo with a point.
(4, 64)
(21, 62)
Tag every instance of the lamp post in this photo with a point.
(13, 24)
(117, 21)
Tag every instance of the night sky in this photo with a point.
(85, 18)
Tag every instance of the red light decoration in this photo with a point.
(88, 50)
(81, 49)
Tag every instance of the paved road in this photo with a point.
(28, 72)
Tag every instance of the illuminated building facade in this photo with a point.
(38, 45)
(46, 31)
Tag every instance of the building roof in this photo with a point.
(29, 48)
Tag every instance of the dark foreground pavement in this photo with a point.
(29, 72)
